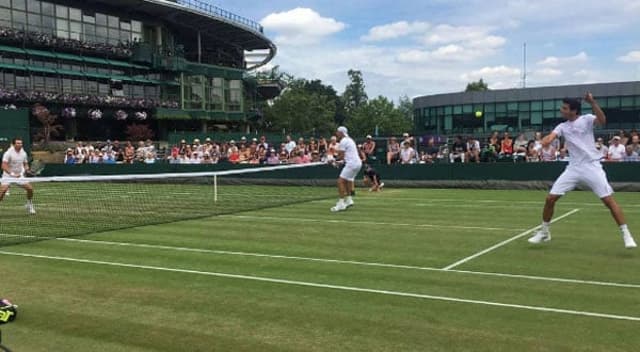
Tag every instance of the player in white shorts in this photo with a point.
(347, 152)
(584, 166)
(15, 164)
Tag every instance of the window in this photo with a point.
(88, 19)
(523, 106)
(467, 109)
(20, 5)
(38, 83)
(5, 3)
(75, 29)
(512, 106)
(125, 36)
(138, 91)
(51, 84)
(5, 16)
(48, 24)
(103, 89)
(489, 107)
(113, 21)
(33, 6)
(75, 14)
(34, 21)
(613, 102)
(448, 110)
(548, 105)
(125, 25)
(19, 19)
(92, 87)
(114, 34)
(549, 114)
(23, 82)
(101, 19)
(501, 107)
(536, 106)
(66, 85)
(101, 33)
(627, 102)
(48, 9)
(457, 110)
(76, 86)
(62, 11)
(9, 80)
(136, 26)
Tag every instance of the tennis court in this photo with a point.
(406, 269)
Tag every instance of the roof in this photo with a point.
(196, 15)
(526, 94)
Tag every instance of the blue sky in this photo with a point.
(415, 48)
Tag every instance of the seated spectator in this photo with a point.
(616, 150)
(506, 145)
(323, 146)
(537, 140)
(370, 149)
(407, 154)
(563, 155)
(473, 150)
(624, 138)
(206, 158)
(273, 158)
(548, 153)
(532, 153)
(635, 143)
(393, 151)
(430, 152)
(604, 151)
(630, 155)
(458, 151)
(489, 152)
(69, 157)
(494, 141)
(520, 146)
(290, 145)
(149, 158)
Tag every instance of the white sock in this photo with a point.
(545, 226)
(349, 199)
(29, 202)
(624, 229)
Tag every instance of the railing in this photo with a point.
(221, 13)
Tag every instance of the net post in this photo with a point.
(215, 188)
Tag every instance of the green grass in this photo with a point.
(82, 306)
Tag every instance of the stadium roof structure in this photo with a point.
(213, 23)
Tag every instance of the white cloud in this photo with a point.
(547, 72)
(555, 61)
(395, 30)
(300, 26)
(445, 33)
(631, 57)
(498, 77)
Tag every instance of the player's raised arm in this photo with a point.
(546, 141)
(601, 118)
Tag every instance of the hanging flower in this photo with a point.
(141, 115)
(95, 114)
(69, 112)
(121, 115)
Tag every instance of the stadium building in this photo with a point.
(102, 65)
(526, 109)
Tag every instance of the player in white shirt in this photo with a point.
(348, 153)
(584, 166)
(15, 164)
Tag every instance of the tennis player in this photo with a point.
(584, 166)
(15, 164)
(347, 153)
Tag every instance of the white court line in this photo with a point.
(329, 221)
(540, 203)
(339, 261)
(462, 261)
(334, 287)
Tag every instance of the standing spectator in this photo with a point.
(393, 151)
(616, 150)
(458, 151)
(370, 149)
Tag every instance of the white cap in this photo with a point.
(368, 136)
(405, 134)
(343, 130)
(616, 138)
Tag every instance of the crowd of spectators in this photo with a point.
(39, 39)
(497, 147)
(31, 96)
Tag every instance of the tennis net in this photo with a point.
(79, 205)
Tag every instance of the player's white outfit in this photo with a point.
(16, 161)
(584, 166)
(353, 164)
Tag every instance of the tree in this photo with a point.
(405, 105)
(354, 94)
(305, 108)
(479, 86)
(381, 114)
(50, 126)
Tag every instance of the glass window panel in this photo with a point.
(48, 23)
(501, 107)
(5, 3)
(101, 19)
(235, 84)
(125, 36)
(524, 106)
(136, 37)
(34, 20)
(77, 86)
(136, 26)
(62, 24)
(512, 106)
(536, 106)
(23, 82)
(457, 110)
(88, 19)
(114, 33)
(75, 14)
(101, 32)
(66, 85)
(448, 110)
(5, 15)
(89, 29)
(19, 61)
(92, 87)
(125, 25)
(549, 114)
(548, 105)
(490, 107)
(19, 17)
(48, 9)
(20, 5)
(536, 118)
(38, 83)
(113, 21)
(627, 102)
(9, 80)
(613, 102)
(467, 109)
(51, 84)
(76, 29)
(62, 11)
(33, 6)
(103, 89)
(558, 104)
